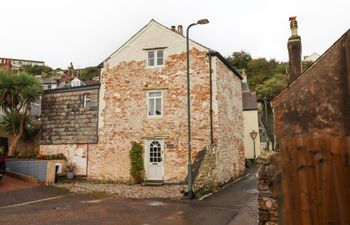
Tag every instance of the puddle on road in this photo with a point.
(92, 201)
(251, 191)
(156, 203)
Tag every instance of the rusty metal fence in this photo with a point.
(316, 181)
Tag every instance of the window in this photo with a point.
(87, 100)
(155, 102)
(155, 152)
(150, 58)
(155, 57)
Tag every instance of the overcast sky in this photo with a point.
(86, 32)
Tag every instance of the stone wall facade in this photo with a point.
(228, 122)
(125, 119)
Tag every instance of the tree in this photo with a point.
(239, 60)
(89, 73)
(37, 70)
(270, 88)
(17, 93)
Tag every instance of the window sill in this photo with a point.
(155, 117)
(154, 88)
(155, 67)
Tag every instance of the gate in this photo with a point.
(316, 181)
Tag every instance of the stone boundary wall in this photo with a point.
(43, 170)
(269, 187)
(205, 177)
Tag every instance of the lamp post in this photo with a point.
(266, 124)
(253, 134)
(189, 172)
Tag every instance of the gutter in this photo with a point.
(73, 89)
(223, 60)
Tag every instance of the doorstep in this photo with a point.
(153, 183)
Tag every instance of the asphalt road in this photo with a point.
(233, 205)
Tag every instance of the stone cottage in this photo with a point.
(142, 98)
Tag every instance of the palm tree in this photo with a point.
(17, 93)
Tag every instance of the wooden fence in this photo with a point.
(316, 181)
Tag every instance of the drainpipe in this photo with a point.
(211, 100)
(87, 160)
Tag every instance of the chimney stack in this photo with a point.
(294, 51)
(180, 30)
(173, 28)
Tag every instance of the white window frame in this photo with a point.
(154, 106)
(155, 58)
(86, 99)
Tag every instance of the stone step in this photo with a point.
(153, 183)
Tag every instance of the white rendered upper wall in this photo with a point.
(153, 35)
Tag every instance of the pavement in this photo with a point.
(40, 205)
(9, 183)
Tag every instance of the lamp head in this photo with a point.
(203, 21)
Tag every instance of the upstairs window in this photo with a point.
(87, 100)
(155, 57)
(155, 104)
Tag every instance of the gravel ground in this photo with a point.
(123, 190)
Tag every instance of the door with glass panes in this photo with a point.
(155, 169)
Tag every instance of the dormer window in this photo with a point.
(155, 57)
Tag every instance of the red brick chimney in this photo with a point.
(180, 30)
(173, 28)
(294, 51)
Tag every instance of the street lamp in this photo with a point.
(253, 135)
(266, 124)
(189, 175)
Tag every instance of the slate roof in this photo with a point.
(249, 101)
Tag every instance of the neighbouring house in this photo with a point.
(10, 64)
(49, 83)
(311, 58)
(251, 123)
(312, 130)
(317, 102)
(142, 98)
(70, 78)
(69, 118)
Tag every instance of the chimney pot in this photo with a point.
(173, 28)
(180, 30)
(294, 25)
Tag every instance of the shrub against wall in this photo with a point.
(137, 171)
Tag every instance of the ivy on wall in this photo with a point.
(137, 170)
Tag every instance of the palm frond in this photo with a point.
(10, 123)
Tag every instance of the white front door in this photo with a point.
(155, 170)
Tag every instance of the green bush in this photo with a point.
(249, 163)
(137, 171)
